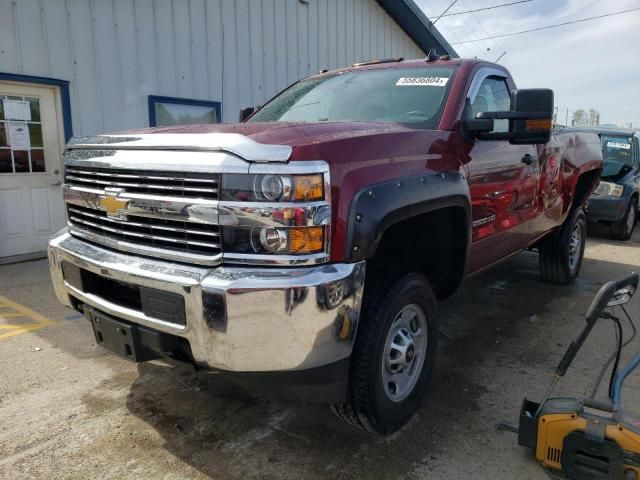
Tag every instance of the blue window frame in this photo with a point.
(64, 95)
(166, 111)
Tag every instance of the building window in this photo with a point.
(21, 144)
(166, 111)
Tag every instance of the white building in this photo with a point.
(80, 67)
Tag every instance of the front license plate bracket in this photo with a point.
(118, 337)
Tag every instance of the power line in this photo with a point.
(442, 14)
(453, 34)
(480, 52)
(481, 9)
(549, 26)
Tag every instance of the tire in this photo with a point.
(391, 310)
(561, 252)
(623, 229)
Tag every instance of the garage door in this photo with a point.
(31, 142)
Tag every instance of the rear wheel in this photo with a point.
(393, 355)
(623, 229)
(561, 252)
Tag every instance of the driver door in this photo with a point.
(503, 178)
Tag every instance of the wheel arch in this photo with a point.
(585, 185)
(388, 224)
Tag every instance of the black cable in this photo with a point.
(548, 26)
(633, 325)
(484, 8)
(616, 364)
(604, 369)
(596, 386)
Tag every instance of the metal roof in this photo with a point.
(415, 23)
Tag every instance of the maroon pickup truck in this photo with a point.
(308, 245)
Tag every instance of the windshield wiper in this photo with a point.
(303, 105)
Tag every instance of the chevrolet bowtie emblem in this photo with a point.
(113, 205)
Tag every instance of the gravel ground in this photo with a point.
(68, 409)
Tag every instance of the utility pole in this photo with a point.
(566, 119)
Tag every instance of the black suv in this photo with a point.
(615, 201)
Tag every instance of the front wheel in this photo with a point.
(393, 355)
(562, 251)
(623, 229)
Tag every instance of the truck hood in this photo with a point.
(254, 142)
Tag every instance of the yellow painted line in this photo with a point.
(20, 311)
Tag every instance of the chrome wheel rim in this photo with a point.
(575, 246)
(631, 218)
(404, 352)
(335, 293)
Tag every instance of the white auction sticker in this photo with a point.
(422, 81)
(624, 146)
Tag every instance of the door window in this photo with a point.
(21, 142)
(493, 96)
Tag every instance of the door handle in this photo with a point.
(527, 159)
(56, 183)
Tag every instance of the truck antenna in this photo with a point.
(432, 55)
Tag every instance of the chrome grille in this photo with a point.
(177, 236)
(181, 184)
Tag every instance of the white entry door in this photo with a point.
(31, 143)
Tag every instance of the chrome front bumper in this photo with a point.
(273, 319)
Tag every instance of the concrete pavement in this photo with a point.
(68, 409)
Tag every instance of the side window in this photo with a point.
(493, 96)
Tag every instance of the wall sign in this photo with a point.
(19, 136)
(16, 110)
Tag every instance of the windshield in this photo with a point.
(617, 149)
(410, 96)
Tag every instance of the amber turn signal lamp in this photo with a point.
(539, 124)
(308, 187)
(306, 239)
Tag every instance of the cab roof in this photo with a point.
(611, 130)
(443, 61)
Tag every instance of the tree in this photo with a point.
(583, 117)
(579, 117)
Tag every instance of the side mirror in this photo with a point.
(530, 119)
(536, 107)
(246, 113)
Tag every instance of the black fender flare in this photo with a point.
(375, 209)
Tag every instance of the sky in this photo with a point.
(594, 64)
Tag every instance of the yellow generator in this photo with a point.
(589, 439)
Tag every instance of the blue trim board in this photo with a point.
(153, 99)
(64, 95)
(410, 17)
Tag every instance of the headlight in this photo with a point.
(276, 214)
(271, 239)
(274, 240)
(609, 189)
(272, 188)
